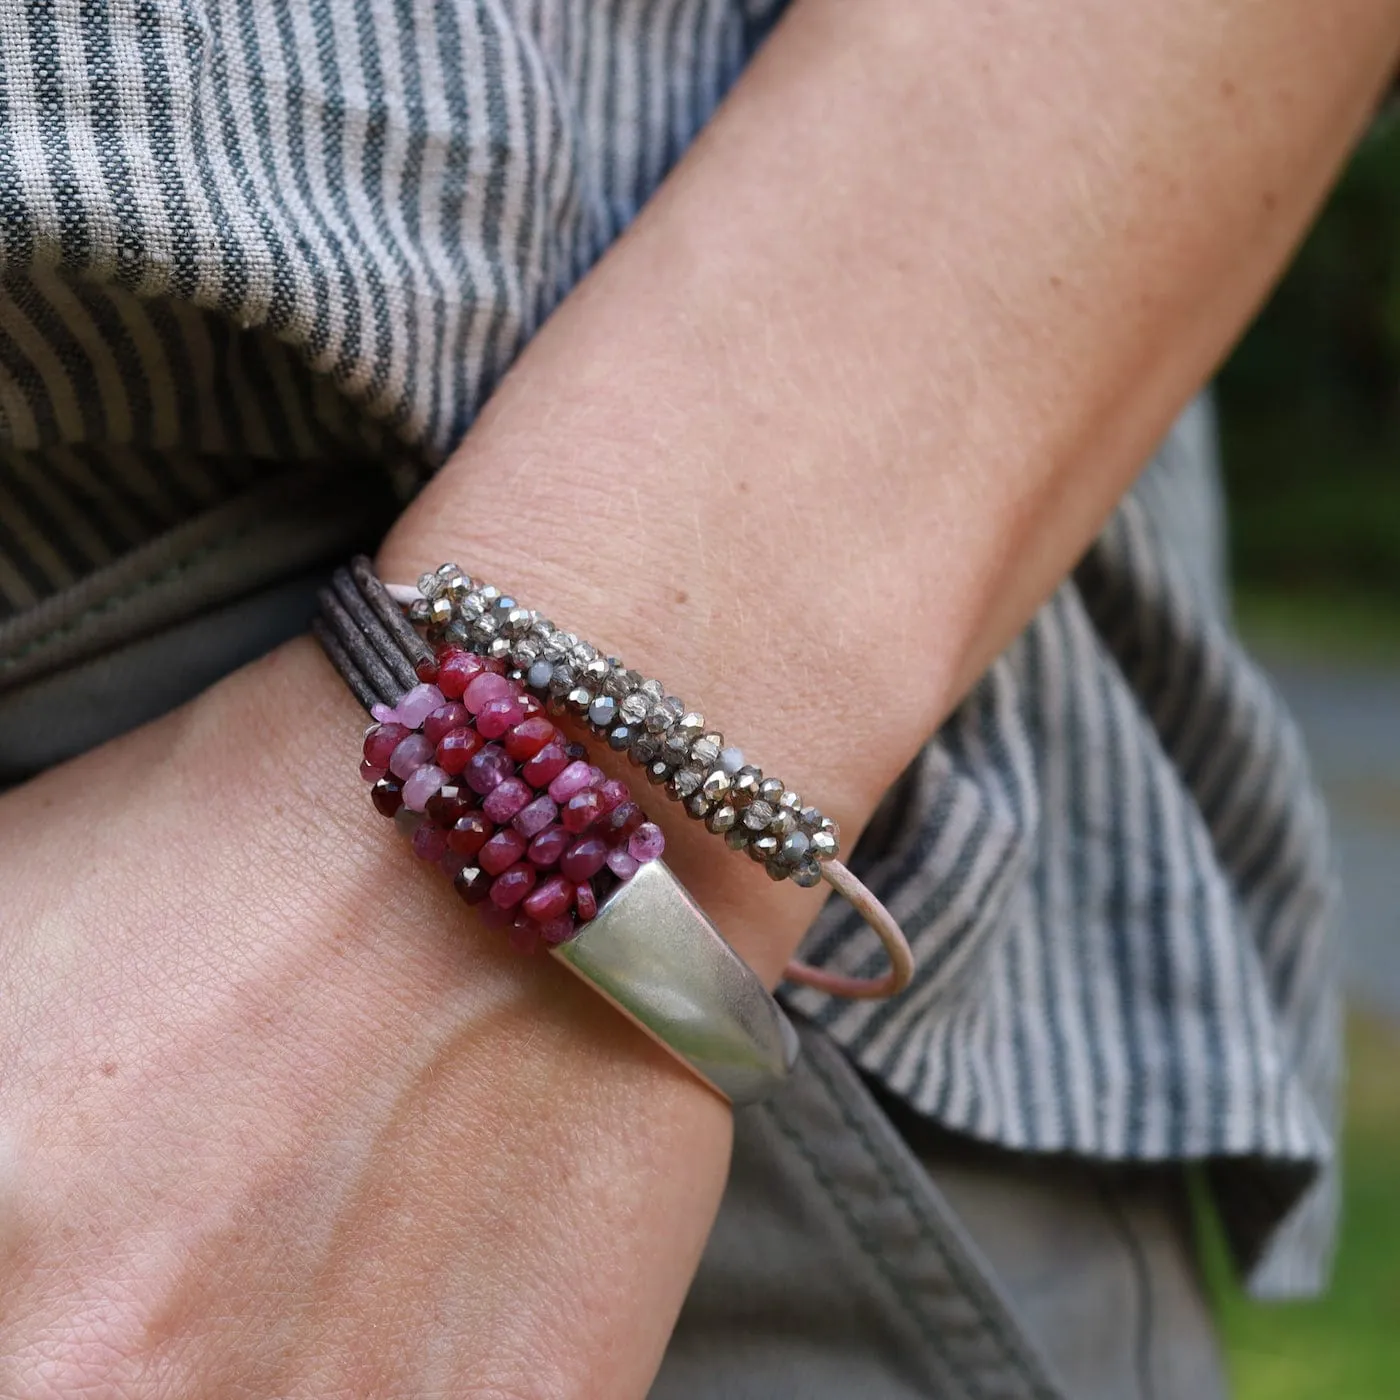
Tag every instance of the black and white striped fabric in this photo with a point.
(244, 238)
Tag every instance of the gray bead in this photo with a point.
(776, 870)
(770, 790)
(722, 819)
(731, 759)
(654, 691)
(430, 585)
(831, 829)
(541, 629)
(602, 711)
(698, 805)
(620, 738)
(448, 571)
(757, 815)
(617, 685)
(823, 845)
(791, 802)
(561, 679)
(717, 783)
(499, 648)
(418, 612)
(686, 782)
(810, 818)
(457, 632)
(504, 605)
(807, 874)
(578, 700)
(763, 848)
(458, 586)
(439, 612)
(634, 708)
(596, 673)
(584, 654)
(659, 719)
(795, 847)
(538, 677)
(691, 724)
(657, 773)
(516, 622)
(783, 824)
(746, 785)
(736, 838)
(484, 629)
(645, 748)
(489, 593)
(705, 750)
(676, 751)
(524, 654)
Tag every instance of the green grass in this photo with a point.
(1336, 624)
(1345, 1346)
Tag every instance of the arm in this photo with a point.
(828, 423)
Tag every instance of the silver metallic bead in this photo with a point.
(736, 838)
(784, 823)
(458, 586)
(675, 750)
(620, 738)
(777, 870)
(439, 612)
(448, 571)
(660, 719)
(577, 701)
(691, 724)
(500, 648)
(657, 773)
(488, 593)
(770, 790)
(717, 783)
(484, 629)
(807, 874)
(584, 653)
(731, 759)
(746, 784)
(823, 845)
(617, 684)
(763, 848)
(596, 672)
(654, 691)
(525, 653)
(541, 629)
(457, 632)
(516, 623)
(562, 678)
(471, 607)
(706, 749)
(810, 818)
(634, 707)
(791, 802)
(645, 748)
(429, 585)
(721, 819)
(698, 805)
(418, 612)
(795, 847)
(757, 815)
(685, 782)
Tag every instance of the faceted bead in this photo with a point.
(387, 796)
(645, 749)
(585, 902)
(603, 711)
(369, 772)
(384, 714)
(539, 675)
(577, 776)
(484, 688)
(450, 863)
(419, 789)
(502, 851)
(469, 834)
(763, 848)
(757, 815)
(496, 717)
(623, 865)
(457, 748)
(427, 671)
(737, 837)
(558, 930)
(549, 899)
(531, 704)
(691, 725)
(810, 818)
(675, 749)
(578, 753)
(783, 824)
(658, 772)
(795, 847)
(613, 792)
(823, 845)
(731, 760)
(439, 612)
(534, 817)
(381, 740)
(646, 843)
(457, 669)
(716, 784)
(620, 738)
(698, 805)
(506, 799)
(429, 842)
(790, 801)
(722, 819)
(444, 719)
(487, 769)
(410, 754)
(623, 820)
(776, 870)
(807, 874)
(770, 790)
(429, 585)
(653, 690)
(577, 701)
(547, 849)
(584, 859)
(633, 709)
(418, 704)
(546, 765)
(450, 803)
(511, 886)
(581, 810)
(529, 737)
(746, 785)
(705, 751)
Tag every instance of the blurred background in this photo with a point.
(1310, 419)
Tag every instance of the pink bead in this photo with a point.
(549, 899)
(534, 818)
(420, 786)
(456, 670)
(380, 742)
(385, 714)
(585, 902)
(506, 799)
(430, 842)
(497, 717)
(574, 778)
(501, 851)
(511, 886)
(369, 772)
(581, 810)
(418, 704)
(584, 859)
(549, 846)
(484, 688)
(529, 737)
(614, 793)
(557, 930)
(487, 769)
(546, 765)
(525, 935)
(622, 865)
(444, 719)
(646, 842)
(622, 821)
(410, 754)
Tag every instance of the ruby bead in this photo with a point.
(622, 821)
(498, 717)
(487, 769)
(550, 899)
(418, 704)
(614, 793)
(574, 778)
(532, 819)
(506, 799)
(409, 755)
(585, 902)
(457, 669)
(494, 664)
(444, 719)
(369, 772)
(646, 842)
(427, 670)
(511, 886)
(450, 863)
(549, 846)
(581, 810)
(484, 688)
(387, 796)
(546, 765)
(450, 803)
(532, 705)
(557, 930)
(622, 865)
(429, 842)
(525, 935)
(469, 834)
(529, 737)
(456, 748)
(584, 859)
(493, 916)
(381, 740)
(419, 789)
(472, 883)
(502, 851)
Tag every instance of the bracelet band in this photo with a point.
(536, 837)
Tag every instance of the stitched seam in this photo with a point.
(973, 1290)
(167, 575)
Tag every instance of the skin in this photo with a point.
(811, 443)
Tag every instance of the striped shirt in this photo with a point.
(249, 247)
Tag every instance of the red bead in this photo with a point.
(502, 851)
(455, 749)
(557, 930)
(427, 671)
(497, 717)
(525, 935)
(484, 688)
(456, 671)
(546, 765)
(534, 817)
(494, 664)
(387, 796)
(584, 859)
(369, 772)
(614, 793)
(469, 834)
(550, 899)
(429, 842)
(449, 804)
(529, 737)
(445, 718)
(585, 902)
(533, 705)
(622, 821)
(511, 886)
(547, 848)
(581, 810)
(381, 740)
(472, 883)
